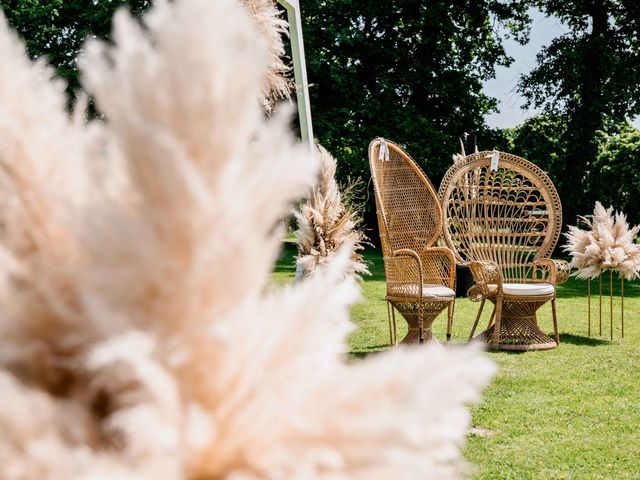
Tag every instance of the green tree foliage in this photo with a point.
(617, 169)
(407, 70)
(615, 173)
(542, 140)
(589, 75)
(495, 138)
(58, 28)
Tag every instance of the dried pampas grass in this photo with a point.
(140, 336)
(608, 245)
(458, 157)
(325, 225)
(277, 82)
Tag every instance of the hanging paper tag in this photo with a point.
(495, 158)
(384, 152)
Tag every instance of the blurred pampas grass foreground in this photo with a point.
(326, 225)
(609, 244)
(139, 334)
(277, 84)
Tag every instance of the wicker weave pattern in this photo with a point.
(411, 211)
(548, 270)
(511, 216)
(485, 273)
(504, 220)
(410, 222)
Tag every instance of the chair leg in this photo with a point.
(390, 324)
(555, 321)
(475, 324)
(493, 315)
(451, 309)
(495, 341)
(395, 330)
(421, 321)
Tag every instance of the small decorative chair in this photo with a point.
(502, 217)
(420, 277)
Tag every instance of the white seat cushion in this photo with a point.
(526, 289)
(437, 291)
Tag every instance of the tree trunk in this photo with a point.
(587, 119)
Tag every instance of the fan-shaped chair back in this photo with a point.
(409, 214)
(502, 208)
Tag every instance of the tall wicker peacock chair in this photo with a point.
(420, 277)
(502, 217)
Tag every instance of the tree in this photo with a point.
(591, 75)
(542, 140)
(409, 71)
(57, 28)
(615, 173)
(618, 171)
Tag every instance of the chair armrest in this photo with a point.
(548, 270)
(485, 273)
(439, 266)
(404, 268)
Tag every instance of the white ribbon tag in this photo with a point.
(383, 155)
(495, 158)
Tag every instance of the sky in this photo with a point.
(503, 87)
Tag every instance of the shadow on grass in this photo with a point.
(366, 351)
(509, 352)
(359, 355)
(581, 340)
(568, 338)
(286, 262)
(285, 269)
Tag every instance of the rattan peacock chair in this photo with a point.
(502, 217)
(420, 277)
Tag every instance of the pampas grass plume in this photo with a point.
(607, 245)
(140, 334)
(277, 84)
(325, 224)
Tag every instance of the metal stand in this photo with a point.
(600, 282)
(610, 304)
(622, 303)
(589, 303)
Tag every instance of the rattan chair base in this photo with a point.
(410, 311)
(413, 336)
(519, 334)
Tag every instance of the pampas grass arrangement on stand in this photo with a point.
(326, 225)
(140, 337)
(609, 244)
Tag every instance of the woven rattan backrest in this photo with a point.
(409, 214)
(510, 214)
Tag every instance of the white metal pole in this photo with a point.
(299, 70)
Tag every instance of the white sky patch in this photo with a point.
(504, 86)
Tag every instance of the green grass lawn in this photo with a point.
(568, 413)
